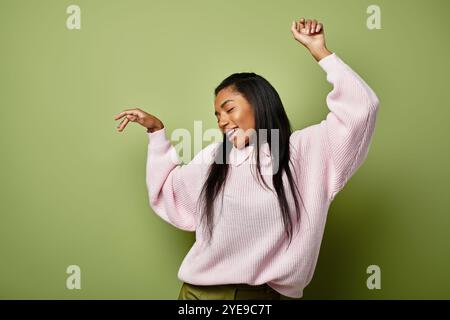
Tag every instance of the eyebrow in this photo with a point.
(223, 103)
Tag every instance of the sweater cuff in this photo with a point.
(158, 137)
(329, 62)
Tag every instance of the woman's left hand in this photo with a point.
(310, 34)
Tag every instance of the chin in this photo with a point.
(239, 143)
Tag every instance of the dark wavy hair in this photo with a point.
(269, 114)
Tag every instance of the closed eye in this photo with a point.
(227, 112)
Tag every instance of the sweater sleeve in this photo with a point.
(349, 126)
(174, 188)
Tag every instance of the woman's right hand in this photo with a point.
(137, 115)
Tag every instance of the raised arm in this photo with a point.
(349, 126)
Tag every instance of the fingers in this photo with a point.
(135, 112)
(319, 27)
(313, 26)
(123, 124)
(130, 115)
(302, 24)
(308, 26)
(295, 27)
(132, 118)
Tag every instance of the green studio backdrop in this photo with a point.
(73, 188)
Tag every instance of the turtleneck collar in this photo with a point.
(239, 156)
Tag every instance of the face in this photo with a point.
(233, 111)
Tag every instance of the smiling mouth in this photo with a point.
(230, 133)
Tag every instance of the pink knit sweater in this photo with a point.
(249, 241)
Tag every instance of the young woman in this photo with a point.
(258, 235)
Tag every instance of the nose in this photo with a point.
(223, 123)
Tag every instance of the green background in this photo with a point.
(73, 188)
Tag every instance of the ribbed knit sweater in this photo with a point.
(249, 243)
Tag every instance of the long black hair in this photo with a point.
(269, 114)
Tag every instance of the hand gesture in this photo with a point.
(143, 118)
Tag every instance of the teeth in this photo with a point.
(229, 133)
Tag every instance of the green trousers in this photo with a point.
(229, 292)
